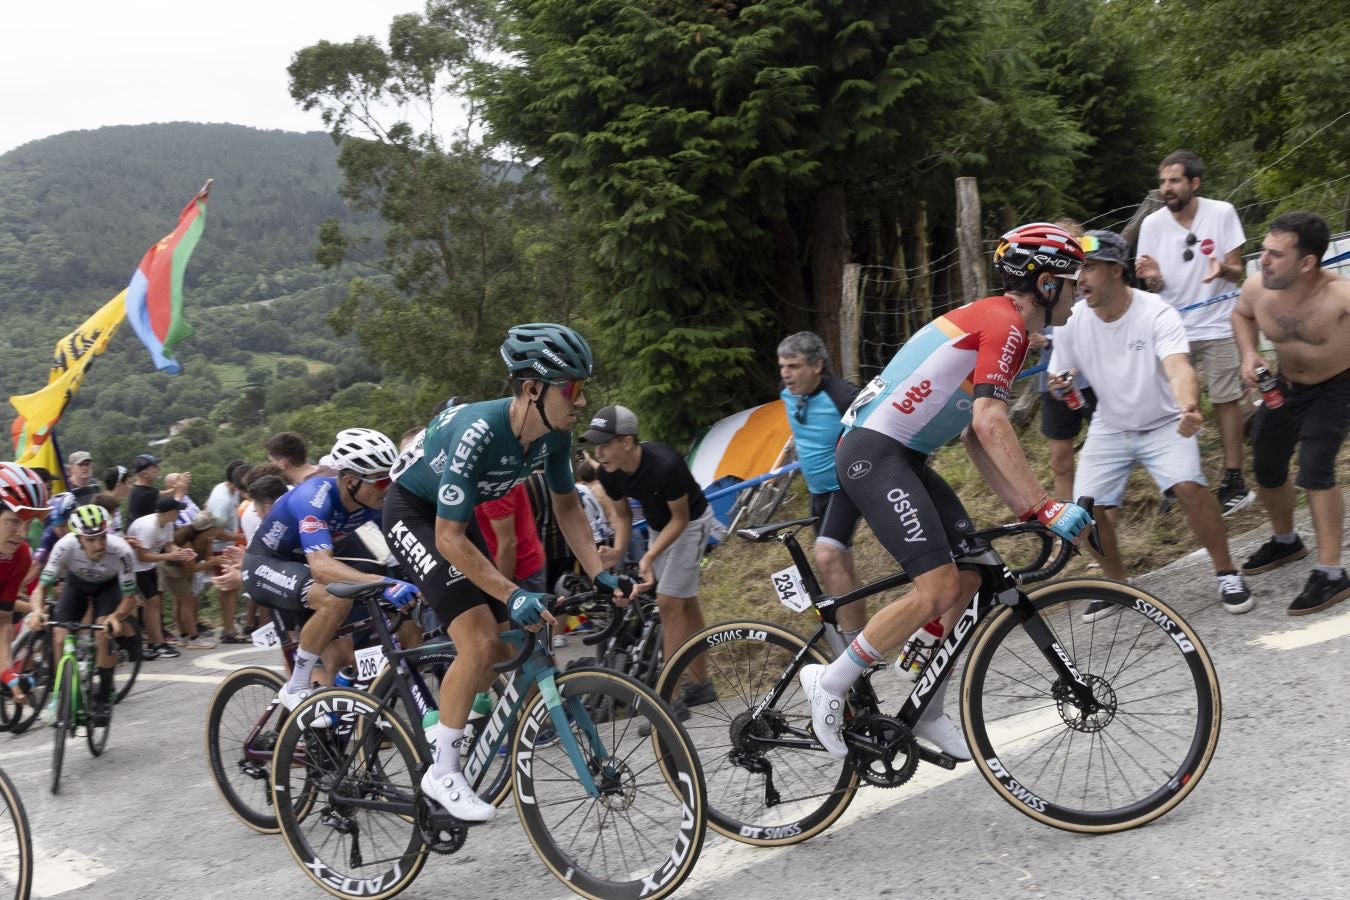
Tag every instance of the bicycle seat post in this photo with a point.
(808, 576)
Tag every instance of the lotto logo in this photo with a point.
(914, 396)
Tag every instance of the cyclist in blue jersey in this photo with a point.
(465, 456)
(951, 378)
(291, 556)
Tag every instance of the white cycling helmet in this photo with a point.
(364, 451)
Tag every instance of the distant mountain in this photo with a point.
(77, 212)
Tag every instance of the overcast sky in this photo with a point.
(88, 63)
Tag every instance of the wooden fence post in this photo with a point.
(850, 325)
(970, 252)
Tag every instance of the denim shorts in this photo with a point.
(1106, 460)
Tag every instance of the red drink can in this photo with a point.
(1072, 397)
(1269, 385)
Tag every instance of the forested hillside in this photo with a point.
(77, 212)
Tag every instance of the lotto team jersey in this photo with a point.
(68, 558)
(925, 395)
(469, 454)
(310, 518)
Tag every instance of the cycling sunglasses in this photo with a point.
(570, 389)
(381, 483)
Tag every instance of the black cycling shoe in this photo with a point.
(1273, 554)
(100, 713)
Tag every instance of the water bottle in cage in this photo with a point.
(918, 650)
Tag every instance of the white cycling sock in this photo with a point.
(447, 751)
(841, 673)
(303, 673)
(1286, 538)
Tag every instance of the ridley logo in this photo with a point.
(859, 469)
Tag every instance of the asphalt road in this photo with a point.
(1270, 819)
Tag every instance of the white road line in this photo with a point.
(1322, 630)
(59, 873)
(182, 679)
(221, 659)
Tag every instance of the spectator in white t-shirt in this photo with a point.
(223, 505)
(154, 544)
(1190, 251)
(1132, 345)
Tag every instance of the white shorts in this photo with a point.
(676, 569)
(1105, 463)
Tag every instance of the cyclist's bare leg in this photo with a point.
(317, 634)
(6, 635)
(838, 576)
(938, 592)
(477, 647)
(681, 617)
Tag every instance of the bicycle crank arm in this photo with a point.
(936, 757)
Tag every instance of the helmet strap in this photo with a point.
(351, 494)
(539, 405)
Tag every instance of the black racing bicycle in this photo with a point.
(1086, 726)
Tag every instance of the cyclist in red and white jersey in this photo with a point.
(951, 378)
(23, 498)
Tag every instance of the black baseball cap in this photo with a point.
(145, 461)
(1106, 246)
(610, 422)
(167, 502)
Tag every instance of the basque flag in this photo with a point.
(155, 295)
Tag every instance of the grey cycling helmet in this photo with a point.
(546, 351)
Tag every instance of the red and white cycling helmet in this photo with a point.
(1028, 251)
(22, 491)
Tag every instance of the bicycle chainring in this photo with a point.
(882, 750)
(436, 828)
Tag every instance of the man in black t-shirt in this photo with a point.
(145, 492)
(679, 519)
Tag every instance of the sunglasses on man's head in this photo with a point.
(1189, 254)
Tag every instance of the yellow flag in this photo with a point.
(42, 409)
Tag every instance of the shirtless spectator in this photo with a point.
(286, 450)
(1305, 312)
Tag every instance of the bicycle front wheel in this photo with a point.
(31, 654)
(1122, 766)
(242, 723)
(758, 793)
(96, 735)
(16, 866)
(344, 783)
(65, 719)
(642, 835)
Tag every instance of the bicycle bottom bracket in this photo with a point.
(1073, 715)
(442, 832)
(882, 749)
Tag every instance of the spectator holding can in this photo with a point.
(1134, 342)
(1305, 313)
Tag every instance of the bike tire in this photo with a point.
(65, 719)
(652, 790)
(129, 651)
(16, 872)
(1085, 773)
(95, 735)
(744, 661)
(31, 653)
(494, 783)
(242, 726)
(380, 761)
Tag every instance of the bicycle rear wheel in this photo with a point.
(128, 653)
(242, 723)
(758, 794)
(1125, 765)
(642, 835)
(344, 784)
(16, 864)
(31, 653)
(64, 726)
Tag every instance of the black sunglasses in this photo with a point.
(800, 412)
(1189, 254)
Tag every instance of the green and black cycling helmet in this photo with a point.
(547, 352)
(89, 520)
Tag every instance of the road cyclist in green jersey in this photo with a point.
(95, 567)
(469, 454)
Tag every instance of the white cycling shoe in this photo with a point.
(944, 734)
(291, 699)
(453, 794)
(827, 711)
